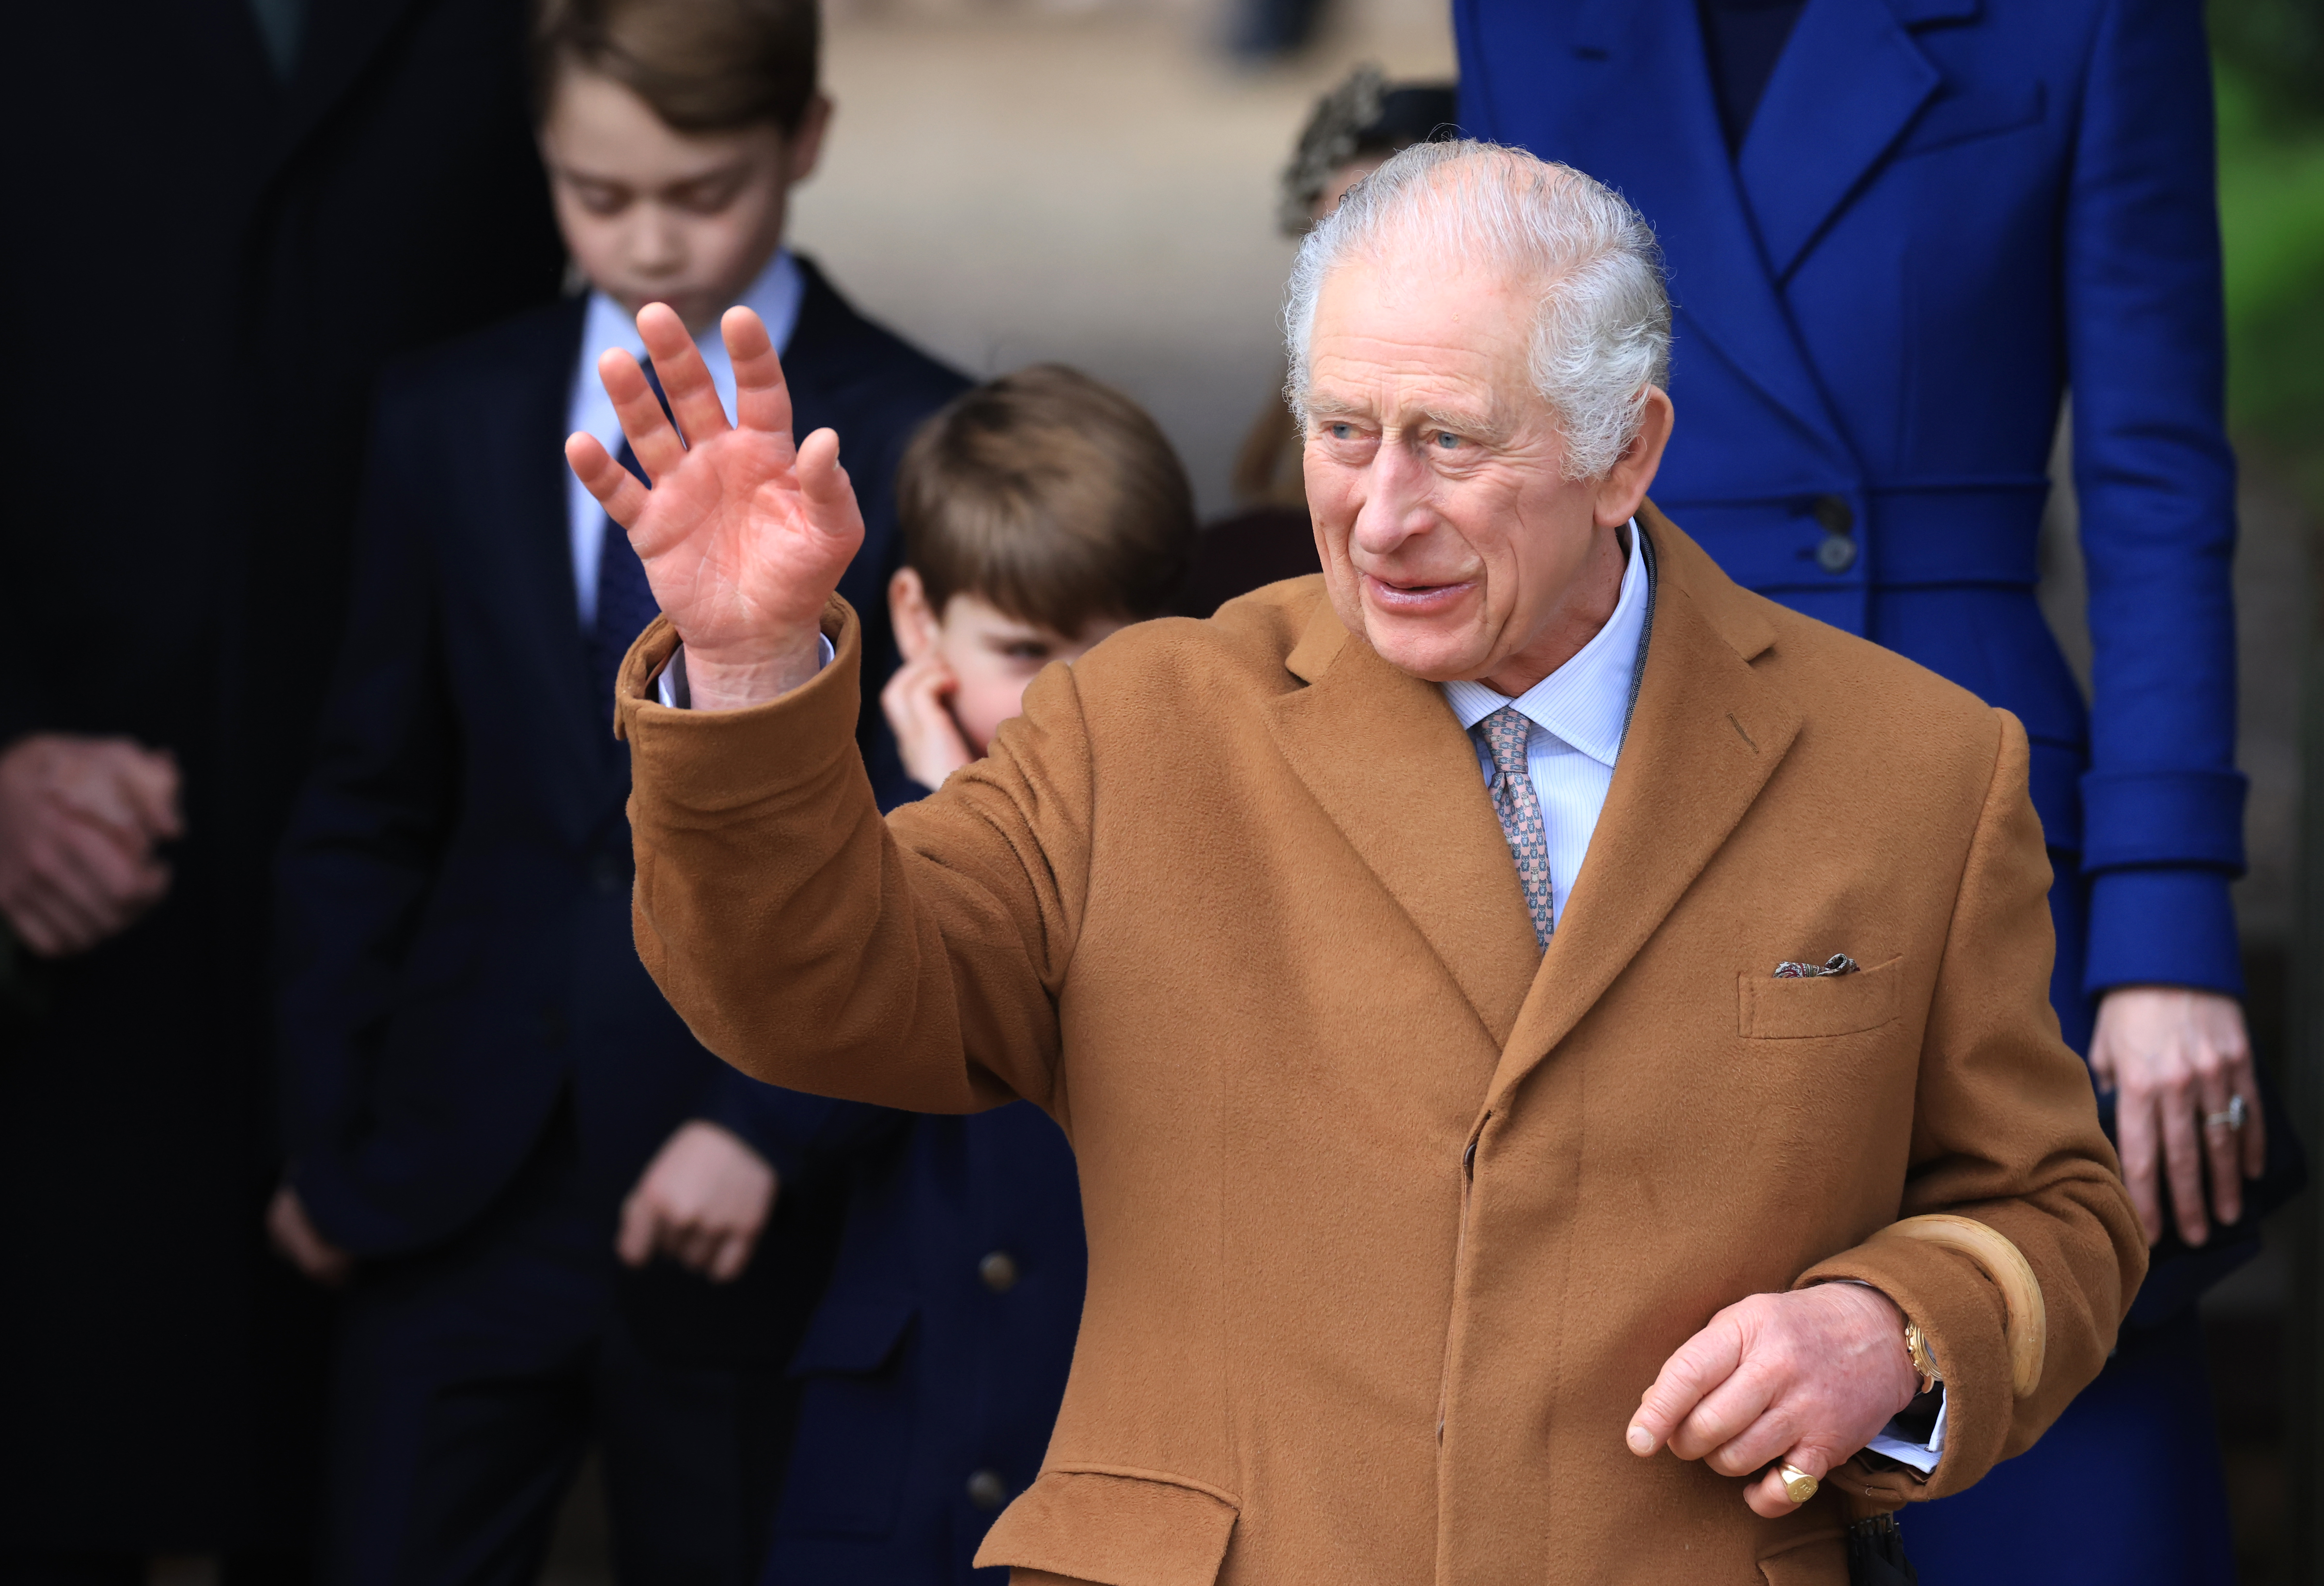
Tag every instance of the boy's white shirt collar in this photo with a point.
(775, 293)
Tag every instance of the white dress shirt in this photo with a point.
(775, 294)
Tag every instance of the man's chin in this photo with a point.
(1433, 652)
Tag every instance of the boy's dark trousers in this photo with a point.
(472, 1381)
(476, 1068)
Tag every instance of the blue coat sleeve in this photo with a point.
(2163, 800)
(364, 842)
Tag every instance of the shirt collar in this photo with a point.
(774, 293)
(1586, 702)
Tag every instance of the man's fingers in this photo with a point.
(1768, 1496)
(1763, 1437)
(617, 488)
(734, 1255)
(2223, 1151)
(148, 782)
(652, 439)
(1700, 1364)
(762, 396)
(824, 487)
(684, 377)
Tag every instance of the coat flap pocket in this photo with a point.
(852, 1336)
(1768, 1009)
(1114, 1527)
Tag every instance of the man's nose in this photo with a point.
(1396, 501)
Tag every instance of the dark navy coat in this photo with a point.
(934, 1367)
(454, 889)
(1946, 215)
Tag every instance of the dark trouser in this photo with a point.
(470, 1381)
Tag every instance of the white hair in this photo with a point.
(1601, 329)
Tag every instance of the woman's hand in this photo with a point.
(2175, 1059)
(744, 535)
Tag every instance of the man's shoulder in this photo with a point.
(1205, 664)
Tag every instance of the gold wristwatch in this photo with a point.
(1917, 1347)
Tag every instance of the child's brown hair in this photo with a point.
(705, 66)
(1054, 497)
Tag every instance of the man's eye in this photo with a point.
(1340, 432)
(1445, 439)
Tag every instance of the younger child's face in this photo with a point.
(992, 657)
(656, 215)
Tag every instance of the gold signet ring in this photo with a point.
(1798, 1485)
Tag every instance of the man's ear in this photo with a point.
(1624, 488)
(805, 145)
(915, 620)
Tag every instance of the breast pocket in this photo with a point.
(1769, 1009)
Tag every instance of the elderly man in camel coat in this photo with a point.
(1516, 999)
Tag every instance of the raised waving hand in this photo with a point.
(744, 533)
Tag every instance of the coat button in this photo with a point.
(1834, 514)
(1837, 554)
(987, 1490)
(998, 1271)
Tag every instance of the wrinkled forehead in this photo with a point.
(1417, 324)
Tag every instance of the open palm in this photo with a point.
(744, 534)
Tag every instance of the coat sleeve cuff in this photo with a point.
(1961, 1315)
(2167, 925)
(2164, 817)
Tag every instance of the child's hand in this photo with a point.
(298, 1241)
(744, 534)
(702, 1200)
(927, 735)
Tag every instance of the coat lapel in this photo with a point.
(1675, 171)
(1383, 754)
(1850, 81)
(1706, 733)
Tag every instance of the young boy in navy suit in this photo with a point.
(1041, 513)
(559, 1220)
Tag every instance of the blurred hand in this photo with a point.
(1807, 1377)
(915, 702)
(298, 1241)
(744, 535)
(2174, 1057)
(79, 818)
(702, 1200)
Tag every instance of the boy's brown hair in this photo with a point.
(705, 66)
(1054, 497)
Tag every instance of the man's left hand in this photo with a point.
(703, 1200)
(1807, 1377)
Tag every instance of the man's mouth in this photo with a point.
(1413, 596)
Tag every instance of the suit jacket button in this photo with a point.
(998, 1271)
(1834, 514)
(987, 1490)
(1837, 554)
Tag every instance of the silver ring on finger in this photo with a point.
(2231, 1119)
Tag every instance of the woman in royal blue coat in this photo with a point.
(1899, 232)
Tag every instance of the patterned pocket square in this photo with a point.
(1838, 964)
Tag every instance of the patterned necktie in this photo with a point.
(1505, 733)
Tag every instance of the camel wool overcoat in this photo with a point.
(1392, 1217)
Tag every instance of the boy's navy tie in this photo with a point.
(625, 601)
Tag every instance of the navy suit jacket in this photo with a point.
(1945, 214)
(455, 888)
